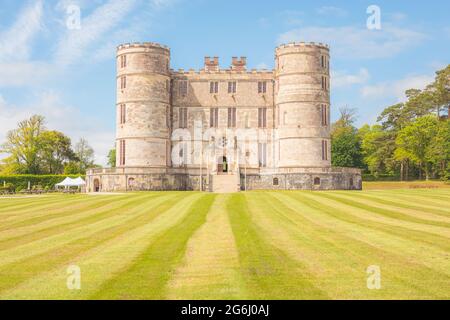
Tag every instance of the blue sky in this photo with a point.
(68, 75)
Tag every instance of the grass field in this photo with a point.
(255, 245)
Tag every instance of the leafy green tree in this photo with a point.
(438, 152)
(23, 145)
(112, 158)
(345, 141)
(414, 142)
(72, 168)
(55, 151)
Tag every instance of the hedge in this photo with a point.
(20, 181)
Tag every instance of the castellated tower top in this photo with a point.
(143, 45)
(294, 45)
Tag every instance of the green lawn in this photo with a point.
(255, 245)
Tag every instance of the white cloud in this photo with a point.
(74, 43)
(341, 79)
(22, 73)
(61, 117)
(396, 89)
(332, 11)
(16, 41)
(351, 42)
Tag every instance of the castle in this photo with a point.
(223, 130)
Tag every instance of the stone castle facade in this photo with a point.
(223, 129)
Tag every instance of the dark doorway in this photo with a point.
(96, 185)
(222, 166)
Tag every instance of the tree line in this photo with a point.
(410, 139)
(33, 149)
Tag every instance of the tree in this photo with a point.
(345, 142)
(438, 152)
(377, 148)
(55, 151)
(84, 155)
(112, 158)
(23, 145)
(414, 142)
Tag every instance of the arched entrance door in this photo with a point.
(96, 185)
(222, 165)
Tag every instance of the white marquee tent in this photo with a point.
(69, 182)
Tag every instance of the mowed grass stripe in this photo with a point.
(25, 205)
(53, 242)
(40, 215)
(20, 271)
(30, 235)
(267, 271)
(350, 214)
(417, 199)
(418, 213)
(354, 202)
(210, 267)
(149, 274)
(406, 202)
(103, 262)
(351, 249)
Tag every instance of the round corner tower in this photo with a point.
(143, 105)
(302, 105)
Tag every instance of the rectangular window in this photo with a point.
(123, 61)
(183, 88)
(122, 152)
(123, 111)
(231, 117)
(262, 157)
(262, 112)
(324, 150)
(324, 83)
(262, 87)
(183, 118)
(214, 87)
(324, 115)
(214, 117)
(232, 87)
(123, 82)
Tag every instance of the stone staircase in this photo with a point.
(226, 183)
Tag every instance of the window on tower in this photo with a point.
(123, 61)
(122, 113)
(324, 113)
(123, 82)
(183, 118)
(214, 87)
(232, 87)
(262, 154)
(183, 88)
(262, 86)
(122, 152)
(262, 113)
(231, 117)
(324, 150)
(214, 117)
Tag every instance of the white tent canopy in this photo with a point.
(69, 182)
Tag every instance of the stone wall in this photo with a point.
(141, 179)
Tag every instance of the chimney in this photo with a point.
(211, 64)
(239, 64)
